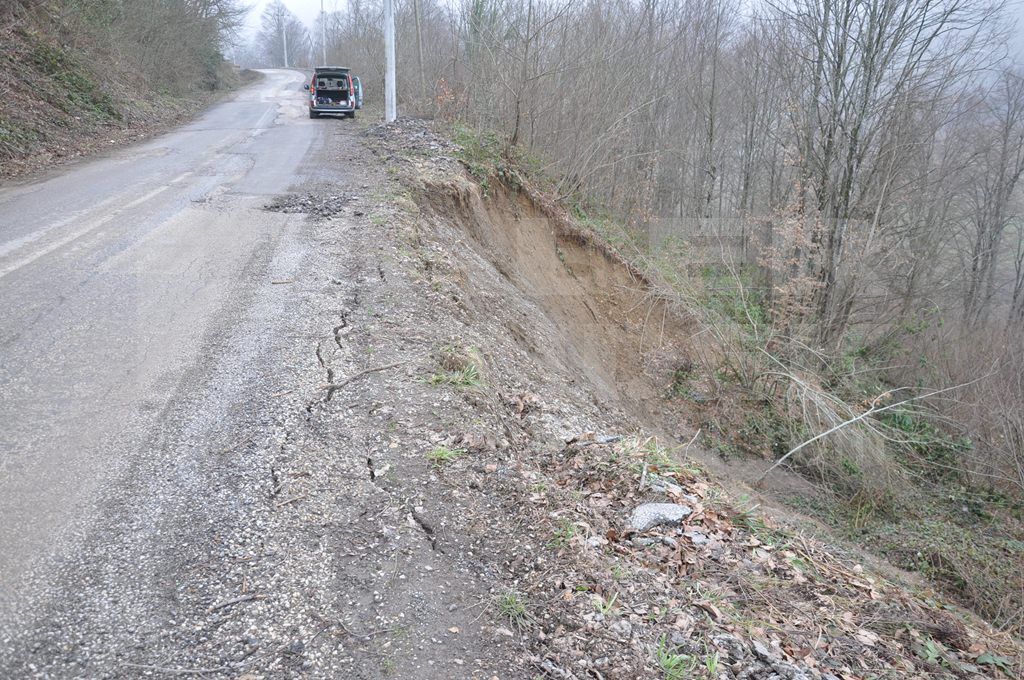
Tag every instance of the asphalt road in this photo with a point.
(138, 308)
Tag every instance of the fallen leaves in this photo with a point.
(719, 570)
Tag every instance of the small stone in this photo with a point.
(761, 649)
(622, 627)
(662, 485)
(697, 537)
(650, 515)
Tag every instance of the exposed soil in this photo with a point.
(569, 341)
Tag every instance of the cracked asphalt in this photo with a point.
(116, 277)
(215, 418)
(147, 316)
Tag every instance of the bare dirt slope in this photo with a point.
(576, 353)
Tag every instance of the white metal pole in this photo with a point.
(390, 106)
(284, 39)
(323, 32)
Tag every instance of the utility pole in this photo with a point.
(390, 106)
(284, 38)
(323, 33)
(419, 52)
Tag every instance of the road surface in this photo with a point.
(138, 314)
(180, 496)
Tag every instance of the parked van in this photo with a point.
(332, 90)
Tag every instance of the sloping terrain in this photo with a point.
(63, 93)
(573, 352)
(425, 451)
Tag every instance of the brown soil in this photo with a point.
(614, 331)
(453, 470)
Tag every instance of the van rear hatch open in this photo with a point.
(331, 89)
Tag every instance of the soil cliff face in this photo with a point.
(613, 329)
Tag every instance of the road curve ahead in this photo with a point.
(137, 311)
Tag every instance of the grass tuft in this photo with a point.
(510, 606)
(674, 665)
(442, 455)
(458, 367)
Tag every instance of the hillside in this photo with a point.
(571, 384)
(332, 399)
(70, 84)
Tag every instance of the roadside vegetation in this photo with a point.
(893, 469)
(78, 76)
(830, 191)
(458, 367)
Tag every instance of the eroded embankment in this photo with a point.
(726, 593)
(614, 328)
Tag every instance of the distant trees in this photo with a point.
(998, 161)
(867, 69)
(178, 43)
(857, 162)
(282, 39)
(890, 128)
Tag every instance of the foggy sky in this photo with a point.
(307, 11)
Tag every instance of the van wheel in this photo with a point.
(352, 114)
(313, 114)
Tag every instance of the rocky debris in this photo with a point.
(650, 515)
(684, 587)
(414, 140)
(662, 485)
(622, 628)
(589, 438)
(316, 205)
(696, 537)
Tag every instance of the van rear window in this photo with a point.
(332, 83)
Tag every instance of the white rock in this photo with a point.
(650, 515)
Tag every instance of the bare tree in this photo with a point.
(282, 38)
(998, 165)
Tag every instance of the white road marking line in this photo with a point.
(16, 244)
(60, 243)
(145, 197)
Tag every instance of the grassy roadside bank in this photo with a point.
(66, 94)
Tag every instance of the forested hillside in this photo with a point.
(82, 75)
(832, 188)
